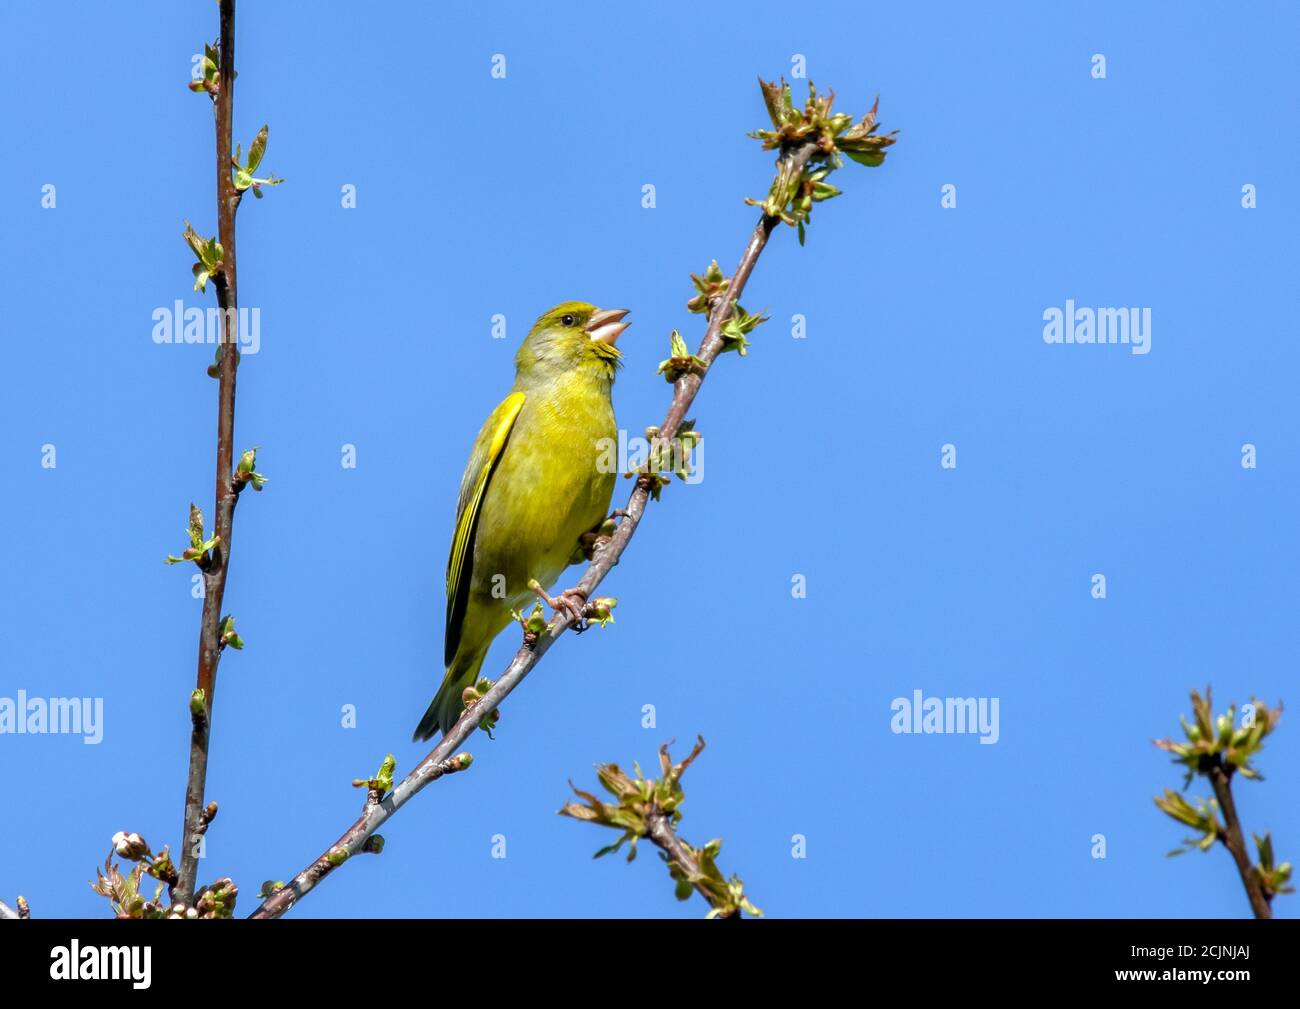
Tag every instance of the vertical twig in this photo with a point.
(214, 575)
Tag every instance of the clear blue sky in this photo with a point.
(478, 196)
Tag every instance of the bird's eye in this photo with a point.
(567, 320)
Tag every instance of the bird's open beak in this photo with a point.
(606, 326)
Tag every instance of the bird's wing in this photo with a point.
(483, 459)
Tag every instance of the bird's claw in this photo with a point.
(571, 601)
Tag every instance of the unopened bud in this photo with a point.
(600, 610)
(130, 846)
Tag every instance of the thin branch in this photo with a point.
(357, 837)
(606, 556)
(1219, 749)
(659, 828)
(651, 807)
(227, 492)
(1232, 838)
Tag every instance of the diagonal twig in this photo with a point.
(659, 828)
(1235, 842)
(606, 556)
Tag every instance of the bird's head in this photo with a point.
(573, 336)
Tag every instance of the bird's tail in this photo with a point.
(447, 704)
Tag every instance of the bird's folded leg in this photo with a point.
(571, 601)
(588, 544)
(592, 540)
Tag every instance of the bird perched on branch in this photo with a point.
(531, 489)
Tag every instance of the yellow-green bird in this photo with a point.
(532, 487)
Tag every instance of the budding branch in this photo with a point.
(606, 556)
(217, 564)
(1235, 842)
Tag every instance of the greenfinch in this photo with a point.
(532, 487)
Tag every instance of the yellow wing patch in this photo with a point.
(487, 451)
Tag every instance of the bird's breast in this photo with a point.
(553, 482)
